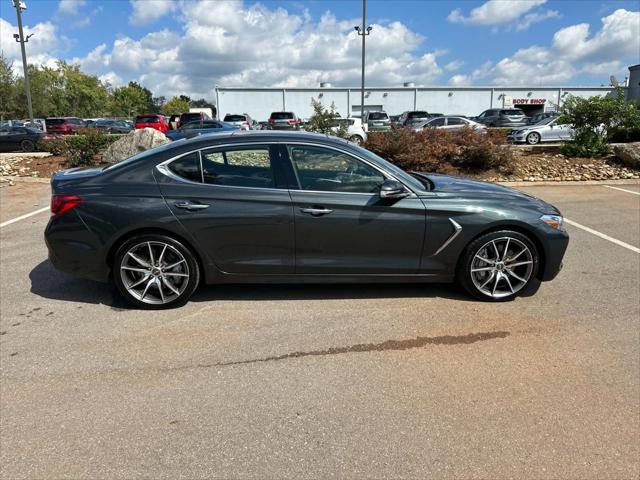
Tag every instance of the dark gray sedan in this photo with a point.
(251, 207)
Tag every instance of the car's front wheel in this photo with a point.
(498, 266)
(27, 145)
(533, 138)
(357, 139)
(155, 272)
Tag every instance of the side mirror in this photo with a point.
(393, 189)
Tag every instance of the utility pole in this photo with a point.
(20, 6)
(363, 32)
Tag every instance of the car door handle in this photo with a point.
(191, 206)
(316, 212)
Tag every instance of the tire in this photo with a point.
(155, 288)
(27, 146)
(533, 138)
(357, 139)
(483, 266)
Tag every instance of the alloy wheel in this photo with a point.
(154, 272)
(501, 267)
(533, 138)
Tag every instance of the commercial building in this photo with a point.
(469, 101)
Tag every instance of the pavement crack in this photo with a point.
(397, 345)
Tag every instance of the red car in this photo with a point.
(152, 120)
(64, 125)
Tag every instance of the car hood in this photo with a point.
(487, 191)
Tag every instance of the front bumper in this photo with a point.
(554, 246)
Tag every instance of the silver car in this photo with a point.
(450, 123)
(548, 130)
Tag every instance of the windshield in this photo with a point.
(418, 115)
(281, 115)
(513, 113)
(546, 121)
(234, 118)
(54, 121)
(378, 116)
(147, 119)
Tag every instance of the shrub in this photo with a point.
(586, 144)
(80, 149)
(440, 151)
(325, 120)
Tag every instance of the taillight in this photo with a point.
(271, 122)
(62, 203)
(293, 122)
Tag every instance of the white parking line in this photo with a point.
(602, 235)
(22, 217)
(621, 189)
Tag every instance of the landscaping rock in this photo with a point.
(133, 143)
(628, 153)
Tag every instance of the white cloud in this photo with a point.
(454, 65)
(148, 11)
(70, 7)
(460, 80)
(231, 44)
(572, 52)
(40, 49)
(495, 12)
(536, 17)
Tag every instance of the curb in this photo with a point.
(575, 183)
(8, 178)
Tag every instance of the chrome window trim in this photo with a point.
(163, 167)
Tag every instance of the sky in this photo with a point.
(188, 46)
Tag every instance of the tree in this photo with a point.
(175, 106)
(325, 120)
(8, 105)
(130, 100)
(597, 120)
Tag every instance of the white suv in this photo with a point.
(355, 131)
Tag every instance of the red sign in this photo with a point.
(529, 101)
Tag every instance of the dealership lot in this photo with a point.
(319, 381)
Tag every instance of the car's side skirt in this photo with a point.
(372, 278)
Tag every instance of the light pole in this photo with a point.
(20, 6)
(363, 32)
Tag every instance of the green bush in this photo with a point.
(586, 144)
(81, 149)
(325, 120)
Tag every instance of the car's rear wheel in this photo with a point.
(499, 266)
(27, 145)
(155, 272)
(533, 138)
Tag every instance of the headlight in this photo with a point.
(554, 221)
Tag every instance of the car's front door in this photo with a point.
(342, 225)
(232, 203)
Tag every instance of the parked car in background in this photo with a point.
(376, 121)
(538, 117)
(548, 130)
(174, 122)
(284, 121)
(355, 131)
(222, 209)
(394, 119)
(502, 117)
(242, 120)
(413, 118)
(193, 129)
(151, 120)
(262, 126)
(24, 139)
(112, 126)
(193, 117)
(450, 123)
(64, 125)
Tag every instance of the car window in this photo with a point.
(456, 121)
(282, 115)
(378, 116)
(512, 113)
(187, 167)
(238, 167)
(327, 170)
(147, 119)
(191, 126)
(211, 125)
(234, 118)
(413, 115)
(436, 122)
(54, 121)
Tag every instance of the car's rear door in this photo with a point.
(234, 203)
(342, 226)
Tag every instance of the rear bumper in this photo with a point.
(74, 249)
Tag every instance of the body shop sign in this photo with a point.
(529, 101)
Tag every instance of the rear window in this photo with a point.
(282, 115)
(54, 121)
(147, 119)
(512, 113)
(418, 115)
(189, 117)
(378, 116)
(234, 118)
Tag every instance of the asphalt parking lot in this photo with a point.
(380, 381)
